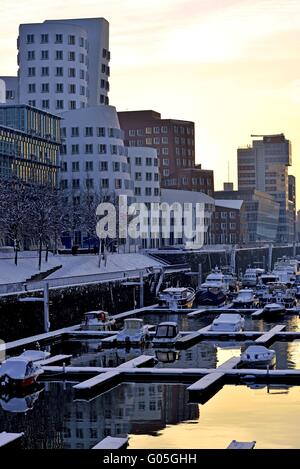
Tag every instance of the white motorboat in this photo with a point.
(134, 332)
(176, 298)
(228, 323)
(258, 355)
(34, 355)
(266, 279)
(251, 277)
(166, 333)
(244, 299)
(273, 310)
(97, 321)
(19, 372)
(216, 280)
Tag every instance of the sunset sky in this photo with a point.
(231, 66)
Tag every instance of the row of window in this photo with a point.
(58, 88)
(162, 129)
(58, 55)
(91, 132)
(148, 161)
(90, 184)
(163, 140)
(225, 214)
(57, 39)
(59, 71)
(224, 226)
(89, 148)
(148, 177)
(148, 191)
(89, 166)
(60, 104)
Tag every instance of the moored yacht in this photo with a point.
(166, 333)
(245, 299)
(228, 323)
(258, 356)
(251, 277)
(134, 332)
(97, 321)
(273, 310)
(176, 298)
(19, 372)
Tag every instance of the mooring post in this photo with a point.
(199, 275)
(141, 289)
(46, 307)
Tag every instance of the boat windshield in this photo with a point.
(166, 332)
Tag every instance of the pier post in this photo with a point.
(199, 275)
(141, 289)
(46, 307)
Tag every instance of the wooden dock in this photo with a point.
(134, 312)
(242, 444)
(55, 360)
(112, 443)
(268, 337)
(203, 389)
(257, 314)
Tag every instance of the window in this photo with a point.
(75, 183)
(114, 149)
(71, 40)
(148, 130)
(45, 103)
(138, 161)
(88, 131)
(138, 176)
(44, 55)
(148, 176)
(59, 71)
(45, 71)
(164, 130)
(30, 38)
(71, 56)
(59, 55)
(81, 58)
(103, 68)
(64, 166)
(82, 74)
(72, 104)
(59, 88)
(165, 162)
(148, 141)
(156, 191)
(44, 38)
(156, 130)
(164, 140)
(64, 184)
(104, 52)
(31, 71)
(103, 166)
(31, 55)
(75, 149)
(101, 131)
(156, 140)
(148, 161)
(75, 166)
(137, 191)
(89, 183)
(104, 183)
(72, 89)
(118, 183)
(148, 191)
(59, 104)
(89, 166)
(102, 149)
(45, 88)
(82, 91)
(116, 166)
(58, 38)
(63, 132)
(31, 88)
(88, 148)
(72, 72)
(63, 149)
(10, 94)
(131, 133)
(166, 172)
(165, 151)
(75, 132)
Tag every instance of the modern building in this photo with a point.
(143, 167)
(29, 144)
(264, 166)
(261, 213)
(229, 222)
(63, 64)
(193, 179)
(9, 87)
(174, 140)
(187, 219)
(93, 156)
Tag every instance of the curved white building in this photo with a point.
(143, 164)
(93, 154)
(64, 64)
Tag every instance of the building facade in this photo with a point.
(229, 222)
(29, 145)
(174, 140)
(63, 64)
(261, 214)
(264, 166)
(194, 179)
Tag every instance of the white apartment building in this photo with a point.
(93, 155)
(143, 165)
(63, 64)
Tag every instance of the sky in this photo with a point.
(231, 66)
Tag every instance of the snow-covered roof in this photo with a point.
(167, 323)
(233, 204)
(227, 318)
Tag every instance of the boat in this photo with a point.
(251, 277)
(257, 356)
(228, 323)
(134, 332)
(34, 355)
(216, 280)
(176, 298)
(244, 299)
(273, 310)
(20, 402)
(210, 296)
(19, 372)
(266, 279)
(97, 321)
(166, 333)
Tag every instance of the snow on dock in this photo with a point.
(241, 444)
(7, 439)
(113, 443)
(268, 337)
(197, 313)
(134, 312)
(55, 360)
(205, 387)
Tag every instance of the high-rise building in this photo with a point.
(264, 166)
(63, 64)
(194, 179)
(174, 140)
(29, 144)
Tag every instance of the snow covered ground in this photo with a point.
(85, 264)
